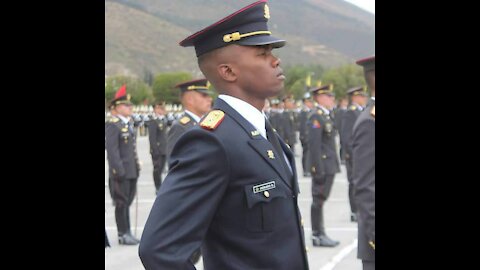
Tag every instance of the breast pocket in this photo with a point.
(263, 202)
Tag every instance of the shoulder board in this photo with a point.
(372, 111)
(114, 120)
(353, 107)
(184, 120)
(212, 120)
(320, 111)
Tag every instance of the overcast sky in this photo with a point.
(368, 5)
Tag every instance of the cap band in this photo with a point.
(237, 36)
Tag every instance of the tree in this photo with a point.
(138, 90)
(343, 78)
(147, 76)
(164, 86)
(296, 76)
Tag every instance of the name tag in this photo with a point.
(263, 187)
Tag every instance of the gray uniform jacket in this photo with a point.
(364, 180)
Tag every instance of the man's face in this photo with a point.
(159, 110)
(124, 109)
(332, 102)
(360, 100)
(258, 71)
(325, 101)
(308, 103)
(289, 104)
(202, 102)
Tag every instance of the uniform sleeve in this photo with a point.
(187, 201)
(173, 134)
(112, 136)
(152, 137)
(347, 129)
(364, 173)
(315, 133)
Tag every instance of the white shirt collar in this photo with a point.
(194, 116)
(250, 113)
(361, 108)
(325, 110)
(373, 98)
(123, 118)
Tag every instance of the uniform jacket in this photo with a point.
(348, 121)
(121, 149)
(178, 128)
(363, 139)
(227, 192)
(322, 147)
(157, 135)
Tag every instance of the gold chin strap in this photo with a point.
(193, 87)
(237, 36)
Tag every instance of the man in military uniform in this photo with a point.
(363, 174)
(123, 164)
(358, 100)
(275, 114)
(112, 114)
(157, 135)
(303, 130)
(197, 101)
(289, 122)
(339, 114)
(232, 187)
(324, 161)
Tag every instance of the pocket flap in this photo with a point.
(263, 192)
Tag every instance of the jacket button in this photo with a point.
(266, 194)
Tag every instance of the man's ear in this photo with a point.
(226, 72)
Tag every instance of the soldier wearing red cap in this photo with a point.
(232, 186)
(123, 163)
(363, 173)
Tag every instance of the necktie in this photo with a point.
(272, 138)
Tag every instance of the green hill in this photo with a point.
(143, 35)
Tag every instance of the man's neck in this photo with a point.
(194, 112)
(256, 102)
(123, 117)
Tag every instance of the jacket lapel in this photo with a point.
(263, 147)
(291, 160)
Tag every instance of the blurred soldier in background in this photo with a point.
(339, 114)
(112, 114)
(275, 114)
(303, 130)
(358, 100)
(324, 159)
(157, 135)
(363, 154)
(197, 101)
(123, 163)
(289, 122)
